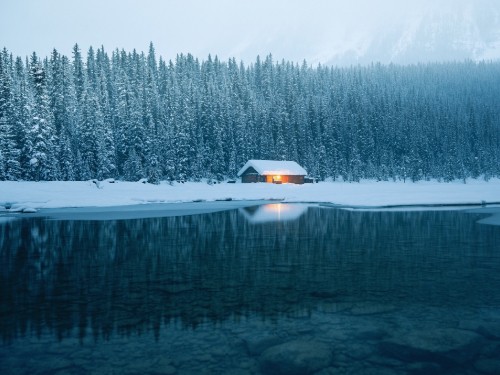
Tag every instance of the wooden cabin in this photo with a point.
(272, 171)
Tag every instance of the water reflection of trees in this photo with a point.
(135, 275)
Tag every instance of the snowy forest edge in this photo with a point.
(133, 116)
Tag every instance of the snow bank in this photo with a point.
(36, 195)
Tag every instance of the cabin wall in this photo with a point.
(295, 179)
(249, 178)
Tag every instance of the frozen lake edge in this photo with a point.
(160, 210)
(137, 211)
(120, 196)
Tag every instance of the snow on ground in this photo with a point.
(58, 194)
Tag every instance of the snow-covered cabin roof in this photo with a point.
(274, 167)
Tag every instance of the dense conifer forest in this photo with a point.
(132, 115)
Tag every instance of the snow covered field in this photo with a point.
(35, 195)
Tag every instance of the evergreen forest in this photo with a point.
(133, 115)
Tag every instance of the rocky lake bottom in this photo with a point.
(346, 339)
(307, 290)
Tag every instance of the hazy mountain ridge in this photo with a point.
(464, 32)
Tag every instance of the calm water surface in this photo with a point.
(276, 289)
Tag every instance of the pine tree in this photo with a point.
(132, 169)
(42, 152)
(66, 158)
(79, 74)
(10, 168)
(90, 136)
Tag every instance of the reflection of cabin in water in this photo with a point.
(272, 171)
(274, 212)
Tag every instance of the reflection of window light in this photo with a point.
(277, 208)
(272, 207)
(274, 212)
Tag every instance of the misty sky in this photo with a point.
(314, 30)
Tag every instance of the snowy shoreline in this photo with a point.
(30, 196)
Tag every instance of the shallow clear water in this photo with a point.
(289, 289)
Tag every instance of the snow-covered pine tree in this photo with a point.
(92, 138)
(10, 168)
(78, 71)
(42, 134)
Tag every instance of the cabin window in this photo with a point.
(277, 178)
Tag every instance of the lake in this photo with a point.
(272, 289)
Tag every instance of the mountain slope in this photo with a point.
(456, 32)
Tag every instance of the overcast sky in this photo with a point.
(290, 29)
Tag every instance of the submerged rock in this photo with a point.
(165, 366)
(488, 366)
(491, 350)
(375, 334)
(424, 368)
(256, 345)
(359, 351)
(437, 345)
(490, 330)
(296, 358)
(371, 309)
(169, 370)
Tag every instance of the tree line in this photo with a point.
(132, 115)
